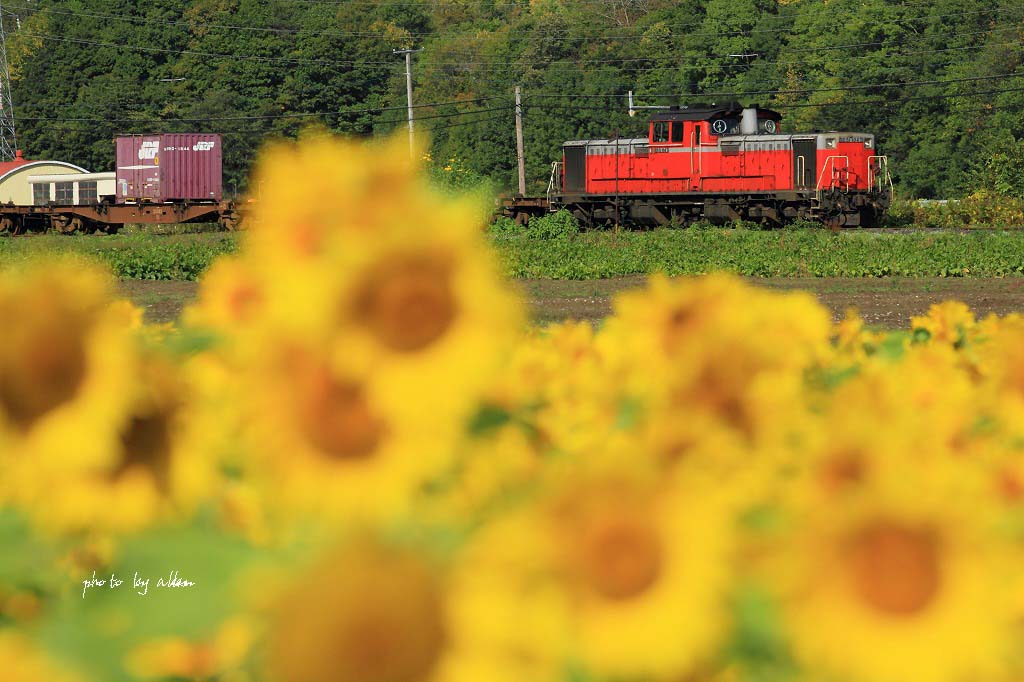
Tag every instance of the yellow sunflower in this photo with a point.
(949, 322)
(622, 576)
(888, 584)
(63, 371)
(373, 612)
(328, 438)
(179, 658)
(152, 466)
(22, 661)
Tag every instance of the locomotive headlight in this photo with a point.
(830, 142)
(869, 143)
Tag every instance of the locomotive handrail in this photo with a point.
(882, 178)
(824, 167)
(555, 168)
(695, 143)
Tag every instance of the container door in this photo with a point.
(805, 162)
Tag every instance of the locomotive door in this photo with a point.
(575, 169)
(805, 162)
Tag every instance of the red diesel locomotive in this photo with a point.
(719, 163)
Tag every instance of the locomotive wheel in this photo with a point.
(7, 226)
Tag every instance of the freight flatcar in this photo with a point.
(718, 163)
(158, 179)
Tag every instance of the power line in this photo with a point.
(751, 93)
(267, 117)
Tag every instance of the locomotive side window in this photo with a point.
(677, 131)
(696, 135)
(659, 131)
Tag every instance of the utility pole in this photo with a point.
(408, 94)
(519, 142)
(8, 142)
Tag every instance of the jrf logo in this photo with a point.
(202, 146)
(148, 150)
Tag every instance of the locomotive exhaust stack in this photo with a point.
(748, 122)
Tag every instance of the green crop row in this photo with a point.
(784, 253)
(563, 254)
(136, 256)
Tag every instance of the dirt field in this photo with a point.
(887, 303)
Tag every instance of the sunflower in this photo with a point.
(22, 661)
(950, 322)
(231, 297)
(883, 585)
(622, 576)
(328, 439)
(714, 345)
(181, 658)
(371, 611)
(429, 312)
(62, 371)
(151, 467)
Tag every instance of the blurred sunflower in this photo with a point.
(889, 586)
(368, 612)
(151, 468)
(22, 661)
(329, 439)
(626, 578)
(64, 376)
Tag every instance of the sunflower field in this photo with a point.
(354, 461)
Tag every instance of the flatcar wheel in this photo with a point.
(60, 223)
(228, 222)
(7, 226)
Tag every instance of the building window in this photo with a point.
(87, 192)
(64, 193)
(40, 194)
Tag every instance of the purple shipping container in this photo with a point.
(169, 167)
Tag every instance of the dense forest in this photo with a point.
(940, 82)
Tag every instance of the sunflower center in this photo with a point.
(407, 301)
(363, 617)
(335, 417)
(45, 369)
(843, 470)
(146, 442)
(621, 558)
(392, 647)
(243, 301)
(895, 568)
